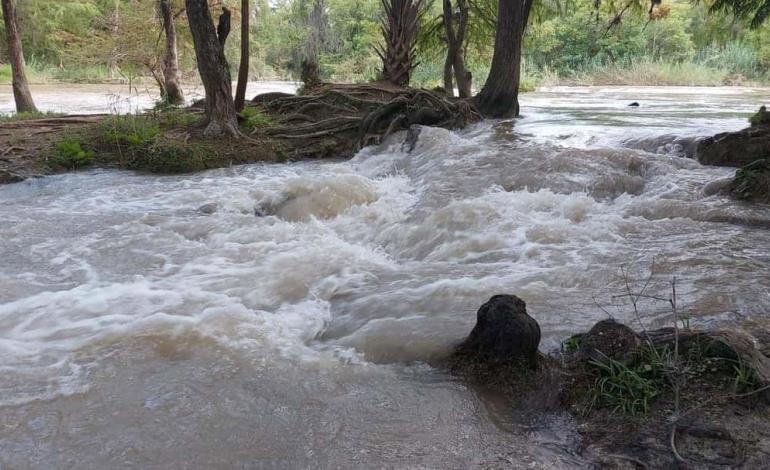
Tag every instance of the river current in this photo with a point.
(295, 322)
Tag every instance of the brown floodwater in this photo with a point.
(137, 331)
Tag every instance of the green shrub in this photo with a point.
(70, 155)
(134, 131)
(629, 389)
(28, 116)
(169, 157)
(253, 119)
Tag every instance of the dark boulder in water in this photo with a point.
(503, 332)
(634, 104)
(737, 149)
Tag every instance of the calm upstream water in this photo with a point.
(138, 331)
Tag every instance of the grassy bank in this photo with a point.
(643, 73)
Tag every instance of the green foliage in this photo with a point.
(746, 379)
(70, 155)
(752, 181)
(170, 157)
(130, 130)
(571, 345)
(27, 116)
(760, 117)
(253, 119)
(623, 388)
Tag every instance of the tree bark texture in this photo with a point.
(172, 91)
(455, 49)
(499, 98)
(21, 93)
(243, 69)
(213, 69)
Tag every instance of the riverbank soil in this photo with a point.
(331, 121)
(667, 398)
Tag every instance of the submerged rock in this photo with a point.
(503, 332)
(208, 209)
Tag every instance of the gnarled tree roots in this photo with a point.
(338, 120)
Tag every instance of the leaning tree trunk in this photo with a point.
(213, 68)
(455, 43)
(243, 69)
(172, 91)
(399, 26)
(500, 96)
(21, 93)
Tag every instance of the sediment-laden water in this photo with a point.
(292, 327)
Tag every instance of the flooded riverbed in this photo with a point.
(136, 330)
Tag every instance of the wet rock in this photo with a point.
(209, 208)
(717, 186)
(608, 338)
(503, 332)
(9, 177)
(634, 105)
(411, 139)
(737, 149)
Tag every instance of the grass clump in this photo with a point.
(253, 119)
(71, 155)
(761, 117)
(626, 388)
(27, 116)
(171, 157)
(132, 132)
(752, 181)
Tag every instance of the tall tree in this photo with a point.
(21, 93)
(171, 90)
(213, 68)
(455, 59)
(400, 25)
(243, 69)
(499, 98)
(315, 42)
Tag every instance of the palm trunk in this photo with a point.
(21, 93)
(243, 69)
(213, 69)
(399, 27)
(499, 98)
(172, 91)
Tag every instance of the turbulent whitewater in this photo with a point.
(285, 316)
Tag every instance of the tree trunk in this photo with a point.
(213, 69)
(21, 93)
(172, 91)
(455, 45)
(500, 96)
(243, 69)
(462, 75)
(449, 87)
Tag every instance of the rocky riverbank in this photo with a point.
(674, 397)
(749, 151)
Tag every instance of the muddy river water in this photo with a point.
(137, 330)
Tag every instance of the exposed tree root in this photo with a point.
(340, 119)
